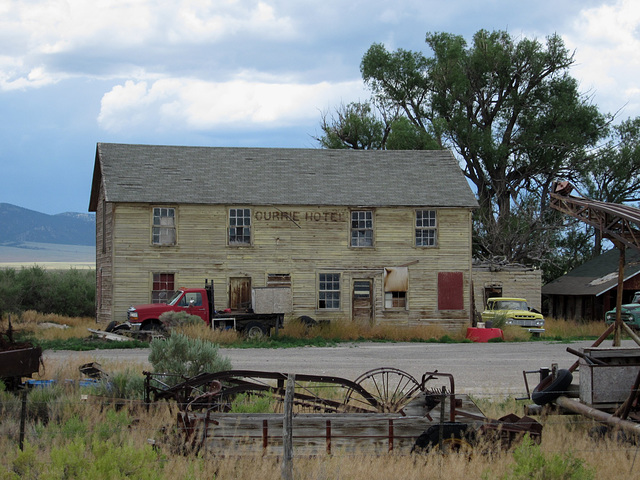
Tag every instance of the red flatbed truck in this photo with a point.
(200, 302)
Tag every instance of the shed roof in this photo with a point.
(595, 277)
(278, 176)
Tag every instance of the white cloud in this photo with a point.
(607, 47)
(99, 37)
(182, 103)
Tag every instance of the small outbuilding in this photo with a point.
(589, 291)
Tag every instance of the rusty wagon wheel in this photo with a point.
(391, 389)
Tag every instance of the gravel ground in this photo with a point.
(485, 369)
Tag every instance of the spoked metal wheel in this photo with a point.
(390, 390)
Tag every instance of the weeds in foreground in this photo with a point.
(74, 335)
(67, 437)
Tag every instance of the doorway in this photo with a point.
(240, 293)
(362, 301)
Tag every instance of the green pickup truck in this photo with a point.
(515, 311)
(629, 313)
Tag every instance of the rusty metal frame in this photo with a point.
(255, 382)
(615, 221)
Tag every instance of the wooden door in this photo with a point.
(362, 301)
(240, 293)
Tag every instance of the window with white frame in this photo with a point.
(362, 228)
(329, 291)
(426, 228)
(164, 226)
(240, 226)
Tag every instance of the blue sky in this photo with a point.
(239, 72)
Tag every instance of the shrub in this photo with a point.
(179, 319)
(183, 356)
(531, 463)
(69, 292)
(126, 384)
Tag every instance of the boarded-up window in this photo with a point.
(279, 280)
(450, 291)
(164, 226)
(396, 285)
(163, 287)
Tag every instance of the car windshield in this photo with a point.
(511, 305)
(175, 297)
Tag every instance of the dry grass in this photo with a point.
(572, 328)
(50, 326)
(563, 435)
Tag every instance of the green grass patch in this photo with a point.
(86, 344)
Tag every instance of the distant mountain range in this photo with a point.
(19, 226)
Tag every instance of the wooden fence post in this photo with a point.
(23, 418)
(287, 429)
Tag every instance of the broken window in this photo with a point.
(396, 285)
(163, 287)
(279, 280)
(329, 291)
(362, 228)
(426, 228)
(164, 226)
(240, 226)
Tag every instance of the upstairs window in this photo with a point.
(163, 287)
(240, 226)
(329, 291)
(362, 228)
(426, 228)
(164, 226)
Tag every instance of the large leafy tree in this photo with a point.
(367, 126)
(513, 114)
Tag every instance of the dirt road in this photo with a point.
(478, 368)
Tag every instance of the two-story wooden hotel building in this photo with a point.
(372, 236)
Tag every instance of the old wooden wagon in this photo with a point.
(383, 410)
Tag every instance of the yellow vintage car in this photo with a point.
(514, 311)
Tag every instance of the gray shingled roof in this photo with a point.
(596, 276)
(277, 176)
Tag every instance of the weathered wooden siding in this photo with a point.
(306, 241)
(104, 260)
(516, 282)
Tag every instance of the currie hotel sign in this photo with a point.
(293, 216)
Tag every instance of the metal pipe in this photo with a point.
(598, 415)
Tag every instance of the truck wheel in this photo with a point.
(549, 389)
(111, 327)
(255, 330)
(152, 326)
